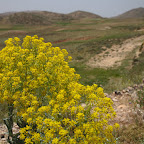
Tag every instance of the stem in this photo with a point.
(9, 122)
(12, 138)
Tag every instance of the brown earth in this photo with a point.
(113, 56)
(70, 39)
(20, 32)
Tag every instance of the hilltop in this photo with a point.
(83, 14)
(134, 13)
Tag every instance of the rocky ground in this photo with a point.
(125, 105)
(4, 133)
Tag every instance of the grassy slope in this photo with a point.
(83, 39)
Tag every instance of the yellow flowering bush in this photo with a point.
(36, 80)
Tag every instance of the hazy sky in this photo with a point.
(105, 8)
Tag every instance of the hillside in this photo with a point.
(83, 14)
(33, 17)
(42, 17)
(134, 13)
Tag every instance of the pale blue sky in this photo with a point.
(105, 8)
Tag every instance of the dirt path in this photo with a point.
(113, 56)
(13, 32)
(70, 39)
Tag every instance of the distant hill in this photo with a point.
(83, 14)
(33, 17)
(134, 13)
(42, 17)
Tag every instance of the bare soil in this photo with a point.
(114, 56)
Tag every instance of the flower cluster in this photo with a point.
(46, 93)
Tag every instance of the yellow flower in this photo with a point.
(116, 125)
(36, 137)
(65, 107)
(73, 109)
(77, 97)
(66, 121)
(22, 136)
(55, 141)
(60, 97)
(78, 133)
(80, 116)
(28, 141)
(19, 64)
(72, 123)
(72, 141)
(29, 120)
(63, 132)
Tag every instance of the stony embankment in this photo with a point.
(125, 105)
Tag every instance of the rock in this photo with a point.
(138, 106)
(83, 105)
(127, 93)
(130, 88)
(4, 133)
(123, 91)
(113, 93)
(122, 107)
(2, 136)
(134, 95)
(114, 99)
(135, 86)
(106, 94)
(4, 139)
(127, 90)
(139, 112)
(122, 119)
(117, 93)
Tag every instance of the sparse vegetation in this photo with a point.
(133, 134)
(84, 38)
